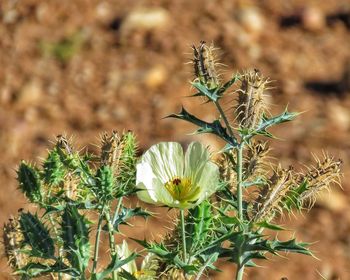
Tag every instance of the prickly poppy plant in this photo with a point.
(225, 200)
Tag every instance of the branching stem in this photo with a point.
(97, 242)
(223, 116)
(111, 238)
(183, 233)
(240, 268)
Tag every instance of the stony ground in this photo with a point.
(84, 67)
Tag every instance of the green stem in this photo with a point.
(111, 239)
(116, 213)
(239, 180)
(203, 268)
(240, 268)
(218, 106)
(183, 232)
(240, 271)
(52, 222)
(97, 241)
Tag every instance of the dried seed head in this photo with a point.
(320, 177)
(111, 149)
(65, 144)
(251, 102)
(174, 274)
(227, 169)
(271, 196)
(13, 237)
(205, 65)
(256, 160)
(70, 186)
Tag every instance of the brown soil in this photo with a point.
(84, 67)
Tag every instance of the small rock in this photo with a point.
(313, 19)
(30, 93)
(252, 20)
(339, 116)
(146, 19)
(155, 77)
(10, 17)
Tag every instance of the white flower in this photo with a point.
(149, 264)
(168, 177)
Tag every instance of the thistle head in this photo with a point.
(251, 102)
(205, 65)
(270, 200)
(256, 159)
(319, 177)
(12, 240)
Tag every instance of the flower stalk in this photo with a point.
(183, 235)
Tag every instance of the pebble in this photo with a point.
(313, 19)
(30, 93)
(146, 19)
(155, 77)
(252, 20)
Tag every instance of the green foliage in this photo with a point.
(75, 236)
(64, 49)
(105, 186)
(127, 213)
(29, 182)
(229, 226)
(204, 127)
(54, 171)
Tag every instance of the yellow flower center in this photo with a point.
(182, 189)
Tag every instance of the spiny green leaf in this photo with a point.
(54, 170)
(267, 225)
(37, 236)
(291, 201)
(105, 183)
(291, 246)
(267, 122)
(114, 265)
(228, 84)
(32, 269)
(75, 235)
(205, 127)
(198, 222)
(127, 213)
(211, 94)
(29, 182)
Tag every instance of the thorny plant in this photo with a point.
(224, 206)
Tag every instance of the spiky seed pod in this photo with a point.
(319, 177)
(256, 160)
(29, 182)
(205, 65)
(227, 168)
(174, 274)
(63, 143)
(71, 186)
(13, 238)
(251, 102)
(54, 170)
(119, 153)
(111, 149)
(271, 196)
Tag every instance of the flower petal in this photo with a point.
(196, 158)
(166, 160)
(123, 253)
(152, 189)
(209, 182)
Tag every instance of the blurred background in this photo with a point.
(84, 67)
